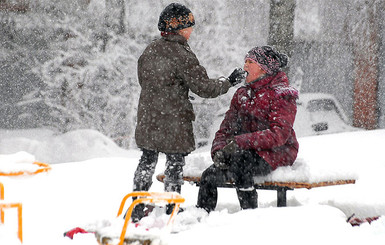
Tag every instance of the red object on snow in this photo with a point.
(137, 225)
(74, 231)
(354, 221)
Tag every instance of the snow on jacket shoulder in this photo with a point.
(261, 118)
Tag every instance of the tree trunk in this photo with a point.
(281, 26)
(365, 37)
(115, 16)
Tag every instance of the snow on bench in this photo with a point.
(20, 161)
(21, 164)
(302, 174)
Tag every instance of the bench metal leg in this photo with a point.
(281, 197)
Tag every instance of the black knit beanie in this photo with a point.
(175, 17)
(270, 60)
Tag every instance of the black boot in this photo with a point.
(208, 193)
(248, 199)
(140, 210)
(170, 208)
(137, 213)
(170, 187)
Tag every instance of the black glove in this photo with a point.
(237, 76)
(219, 160)
(230, 148)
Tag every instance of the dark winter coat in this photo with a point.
(261, 118)
(167, 71)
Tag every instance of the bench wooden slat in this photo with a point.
(280, 187)
(291, 184)
(309, 185)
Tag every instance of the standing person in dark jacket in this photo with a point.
(167, 71)
(256, 135)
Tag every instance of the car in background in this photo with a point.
(320, 113)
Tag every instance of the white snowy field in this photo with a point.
(90, 175)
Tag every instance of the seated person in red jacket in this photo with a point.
(256, 135)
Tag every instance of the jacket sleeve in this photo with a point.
(281, 119)
(196, 78)
(228, 128)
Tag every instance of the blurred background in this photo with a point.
(71, 64)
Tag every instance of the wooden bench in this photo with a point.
(280, 187)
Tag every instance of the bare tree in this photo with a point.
(14, 6)
(281, 25)
(115, 15)
(365, 39)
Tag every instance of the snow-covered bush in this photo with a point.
(90, 80)
(81, 72)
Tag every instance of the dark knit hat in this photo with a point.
(268, 59)
(175, 17)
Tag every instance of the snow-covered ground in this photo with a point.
(90, 175)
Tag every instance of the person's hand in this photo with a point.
(219, 160)
(230, 148)
(237, 76)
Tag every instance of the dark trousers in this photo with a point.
(146, 168)
(243, 166)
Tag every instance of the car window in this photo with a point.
(321, 105)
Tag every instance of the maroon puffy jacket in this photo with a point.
(261, 118)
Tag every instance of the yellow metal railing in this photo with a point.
(1, 198)
(43, 167)
(19, 215)
(4, 205)
(152, 197)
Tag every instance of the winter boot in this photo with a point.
(170, 187)
(140, 210)
(170, 208)
(208, 192)
(137, 214)
(248, 198)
